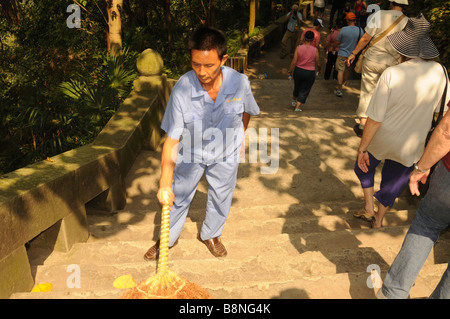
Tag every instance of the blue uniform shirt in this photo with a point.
(209, 132)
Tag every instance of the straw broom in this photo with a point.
(166, 284)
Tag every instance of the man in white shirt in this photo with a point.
(379, 56)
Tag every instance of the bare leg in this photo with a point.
(368, 198)
(340, 80)
(345, 76)
(382, 210)
(298, 106)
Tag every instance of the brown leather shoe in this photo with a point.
(153, 251)
(216, 247)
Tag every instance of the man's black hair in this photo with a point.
(206, 38)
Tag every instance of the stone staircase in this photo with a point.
(290, 234)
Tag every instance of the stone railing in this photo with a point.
(46, 202)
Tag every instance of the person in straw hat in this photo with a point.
(399, 118)
(379, 55)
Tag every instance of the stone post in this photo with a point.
(151, 81)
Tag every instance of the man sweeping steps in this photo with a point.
(205, 121)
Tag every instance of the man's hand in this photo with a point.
(414, 179)
(166, 196)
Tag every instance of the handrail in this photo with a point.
(47, 199)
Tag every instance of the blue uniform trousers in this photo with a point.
(221, 178)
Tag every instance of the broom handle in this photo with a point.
(163, 260)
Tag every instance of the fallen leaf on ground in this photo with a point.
(124, 282)
(45, 287)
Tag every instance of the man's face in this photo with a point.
(206, 65)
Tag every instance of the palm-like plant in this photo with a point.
(100, 96)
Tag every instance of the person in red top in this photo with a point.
(317, 25)
(331, 50)
(360, 8)
(432, 217)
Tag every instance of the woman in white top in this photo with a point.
(379, 56)
(399, 117)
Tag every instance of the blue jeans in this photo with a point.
(432, 216)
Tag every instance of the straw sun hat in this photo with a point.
(414, 40)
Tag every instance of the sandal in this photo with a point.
(362, 214)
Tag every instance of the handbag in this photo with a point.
(358, 55)
(437, 119)
(359, 62)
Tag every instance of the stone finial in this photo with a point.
(149, 63)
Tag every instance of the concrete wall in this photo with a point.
(47, 200)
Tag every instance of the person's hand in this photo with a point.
(363, 161)
(414, 179)
(350, 59)
(165, 196)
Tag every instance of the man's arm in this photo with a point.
(168, 159)
(289, 15)
(437, 148)
(370, 128)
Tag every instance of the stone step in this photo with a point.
(342, 251)
(339, 286)
(263, 267)
(253, 221)
(246, 228)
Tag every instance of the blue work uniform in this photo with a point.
(210, 135)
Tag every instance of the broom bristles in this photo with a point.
(166, 284)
